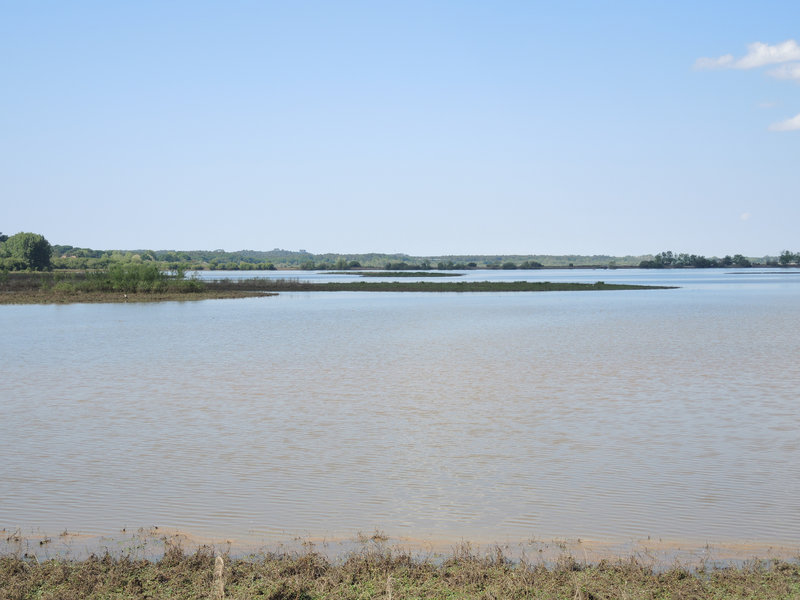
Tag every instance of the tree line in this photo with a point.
(671, 260)
(27, 251)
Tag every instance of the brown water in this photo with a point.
(488, 417)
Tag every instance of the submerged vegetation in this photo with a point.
(380, 572)
(407, 274)
(295, 285)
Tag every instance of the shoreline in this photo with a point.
(376, 569)
(151, 543)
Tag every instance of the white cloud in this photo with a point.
(714, 63)
(758, 55)
(792, 124)
(791, 71)
(745, 216)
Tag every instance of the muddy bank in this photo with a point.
(380, 571)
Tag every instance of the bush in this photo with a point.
(133, 277)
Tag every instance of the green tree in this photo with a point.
(341, 263)
(31, 248)
(741, 261)
(787, 258)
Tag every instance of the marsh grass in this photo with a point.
(119, 283)
(126, 278)
(378, 571)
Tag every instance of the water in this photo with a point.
(487, 417)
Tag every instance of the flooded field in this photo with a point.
(432, 417)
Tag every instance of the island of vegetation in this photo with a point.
(147, 283)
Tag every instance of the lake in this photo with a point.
(612, 415)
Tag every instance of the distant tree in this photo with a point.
(530, 264)
(741, 261)
(787, 258)
(3, 238)
(30, 249)
(669, 260)
(700, 262)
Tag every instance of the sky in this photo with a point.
(422, 127)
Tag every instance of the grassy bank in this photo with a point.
(378, 572)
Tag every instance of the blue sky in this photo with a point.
(429, 128)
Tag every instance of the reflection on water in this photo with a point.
(480, 416)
